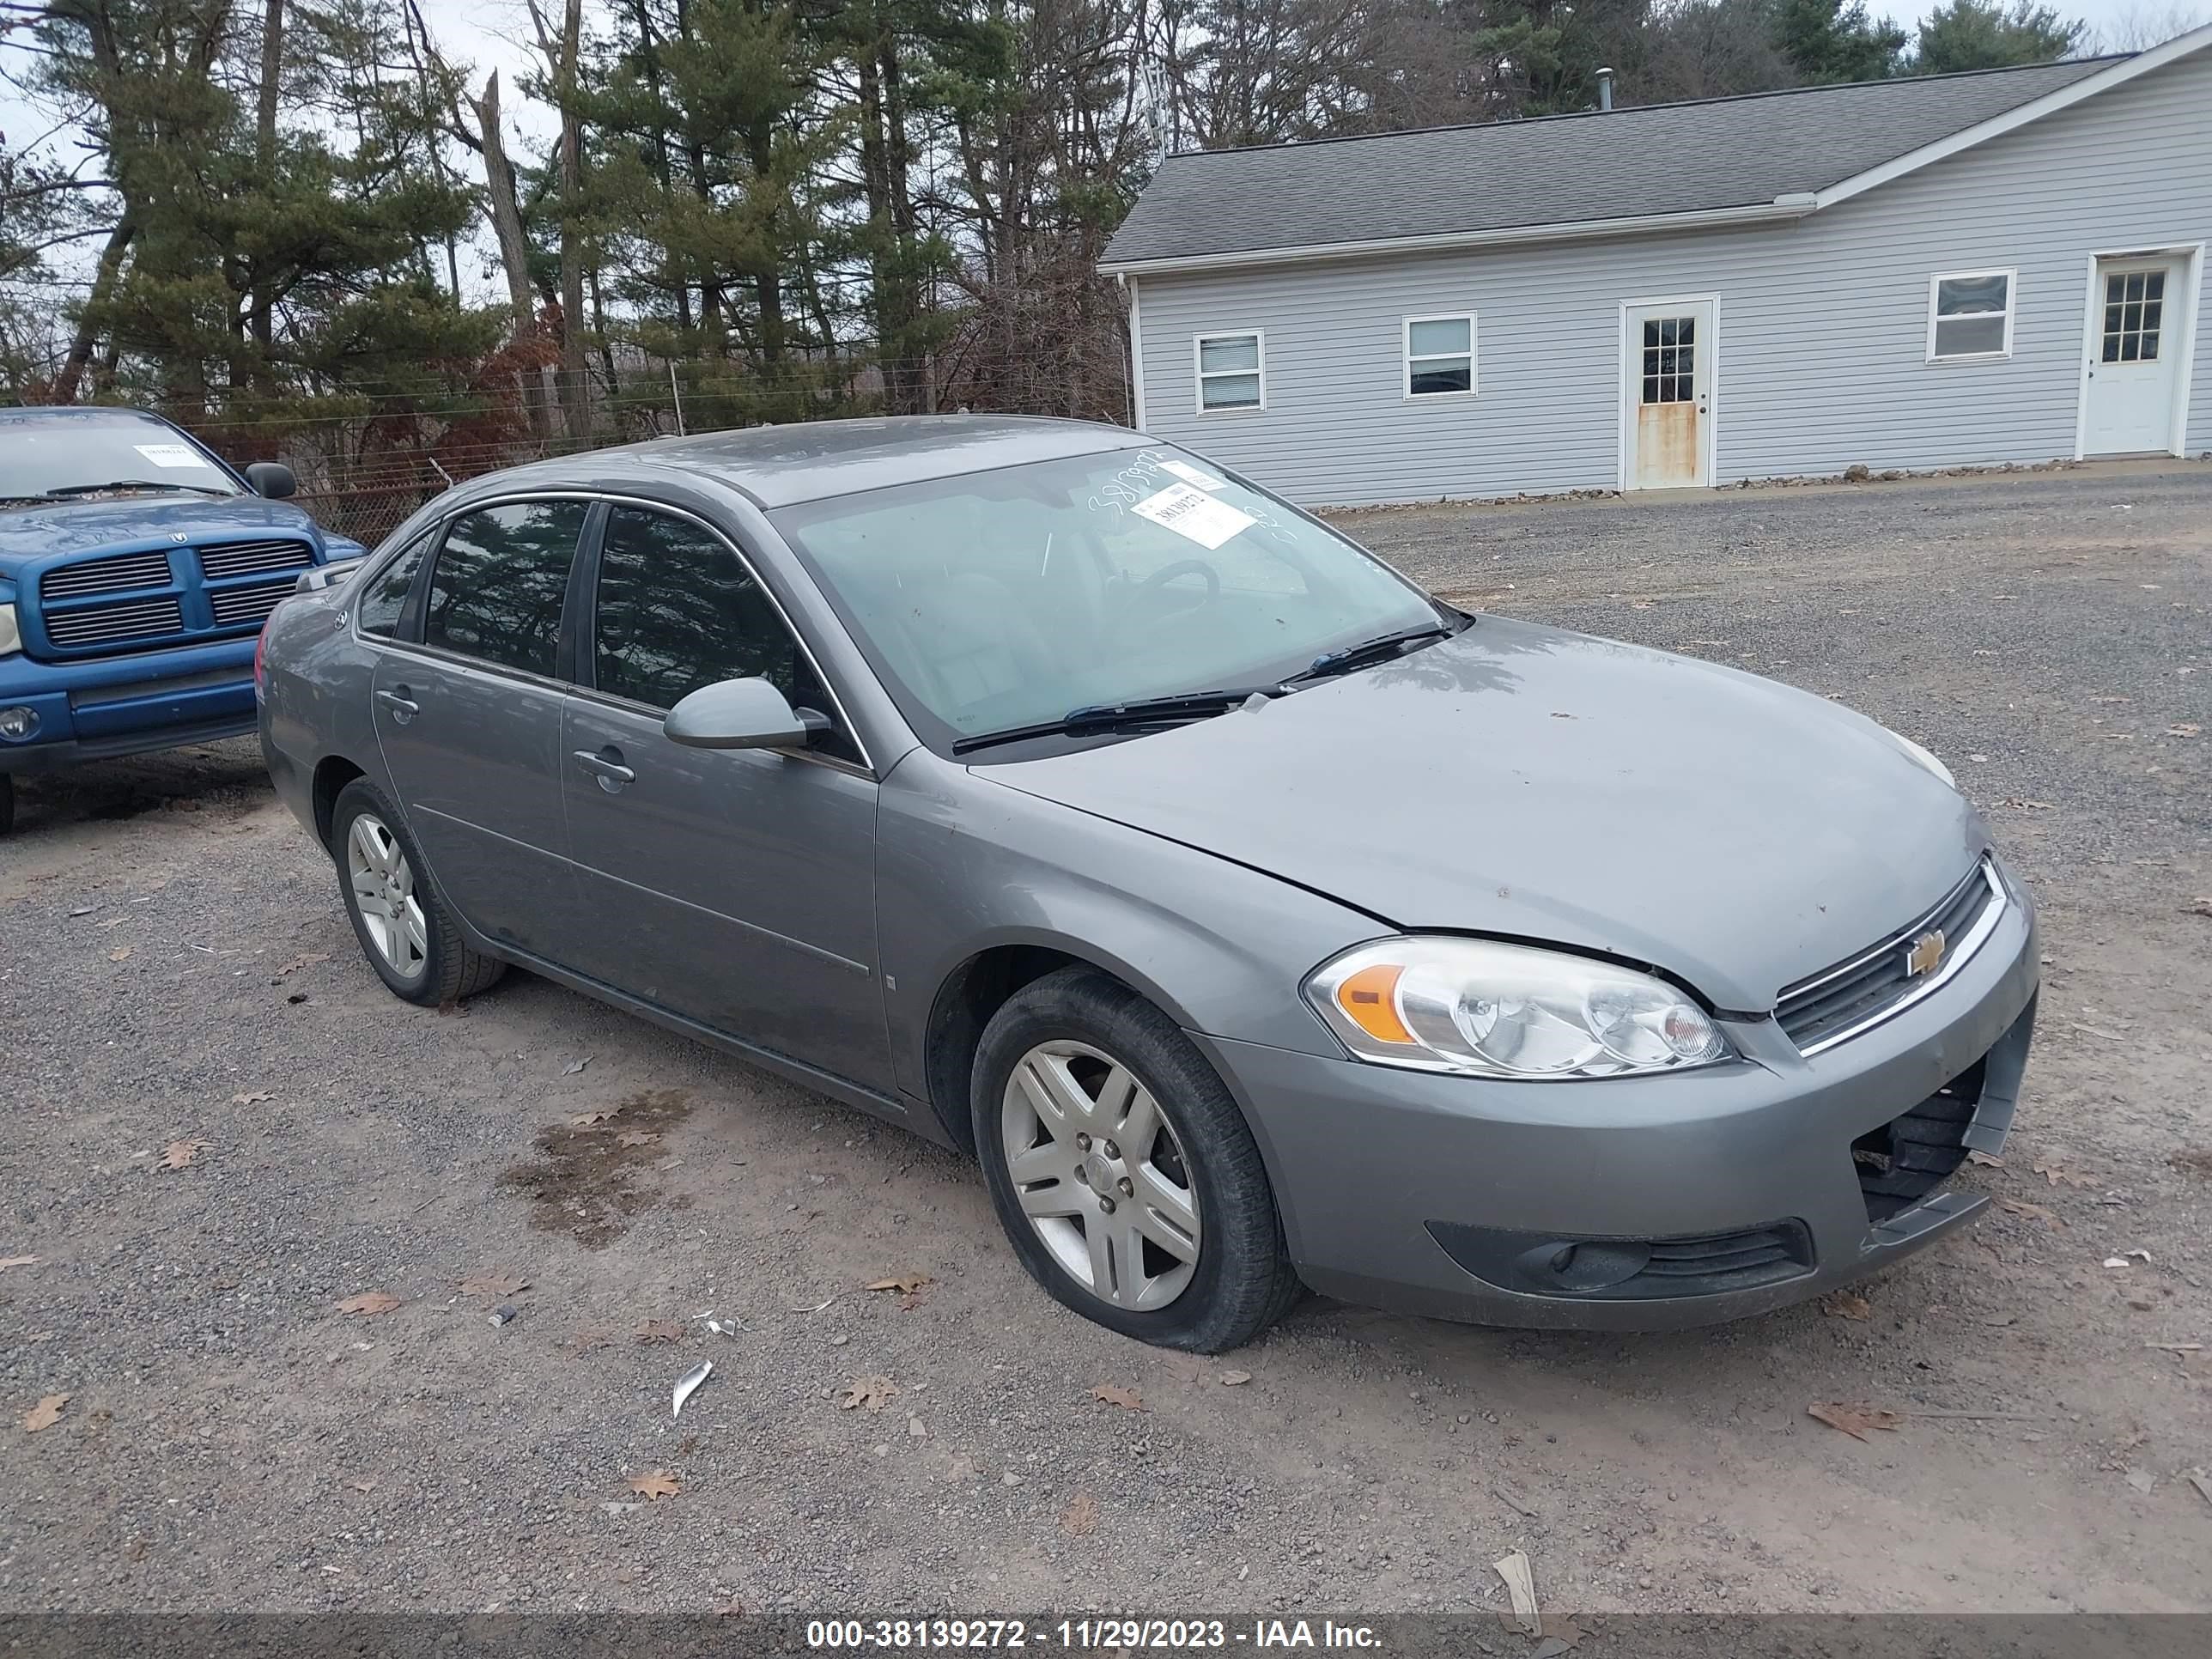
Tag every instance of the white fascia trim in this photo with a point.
(2034, 110)
(1787, 207)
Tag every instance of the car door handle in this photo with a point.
(403, 708)
(606, 765)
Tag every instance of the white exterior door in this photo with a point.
(1667, 377)
(2136, 310)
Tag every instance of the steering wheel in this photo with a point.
(1145, 596)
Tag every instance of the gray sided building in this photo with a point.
(1953, 270)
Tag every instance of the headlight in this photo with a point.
(1914, 751)
(1508, 1010)
(11, 636)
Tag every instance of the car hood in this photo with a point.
(1528, 783)
(31, 532)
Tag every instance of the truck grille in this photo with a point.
(121, 623)
(221, 559)
(114, 575)
(1823, 1011)
(250, 602)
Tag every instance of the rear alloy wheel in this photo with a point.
(1122, 1169)
(412, 941)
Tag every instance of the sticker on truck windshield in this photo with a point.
(171, 454)
(1194, 515)
(1191, 475)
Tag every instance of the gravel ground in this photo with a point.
(175, 969)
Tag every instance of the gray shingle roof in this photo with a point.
(1566, 170)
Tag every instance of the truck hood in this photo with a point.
(1527, 783)
(33, 533)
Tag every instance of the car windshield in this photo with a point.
(81, 454)
(1007, 598)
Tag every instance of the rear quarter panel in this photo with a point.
(315, 700)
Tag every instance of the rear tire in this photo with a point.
(410, 936)
(1122, 1169)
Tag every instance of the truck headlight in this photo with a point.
(1485, 1009)
(11, 634)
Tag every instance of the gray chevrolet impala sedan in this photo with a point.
(1253, 919)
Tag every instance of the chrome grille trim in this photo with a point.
(221, 559)
(249, 602)
(131, 620)
(117, 574)
(1976, 905)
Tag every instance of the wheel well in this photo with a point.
(977, 989)
(331, 777)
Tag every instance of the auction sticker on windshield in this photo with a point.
(171, 454)
(1194, 515)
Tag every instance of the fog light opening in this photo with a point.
(18, 723)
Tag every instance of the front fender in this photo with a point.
(965, 866)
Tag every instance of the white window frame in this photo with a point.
(1406, 359)
(2011, 274)
(1200, 374)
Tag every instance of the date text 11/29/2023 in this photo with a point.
(1087, 1634)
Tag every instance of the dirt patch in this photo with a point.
(2194, 1160)
(584, 1181)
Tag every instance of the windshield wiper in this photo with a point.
(1172, 710)
(1380, 648)
(67, 490)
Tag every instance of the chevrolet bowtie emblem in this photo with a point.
(1926, 955)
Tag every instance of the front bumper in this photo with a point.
(1451, 1196)
(99, 710)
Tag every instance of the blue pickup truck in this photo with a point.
(135, 570)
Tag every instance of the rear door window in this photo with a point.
(384, 606)
(496, 589)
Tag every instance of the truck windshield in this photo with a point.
(45, 457)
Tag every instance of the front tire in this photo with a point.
(1122, 1169)
(411, 937)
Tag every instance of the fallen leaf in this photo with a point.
(369, 1485)
(584, 1119)
(904, 1284)
(368, 1302)
(7, 1261)
(253, 1099)
(872, 1392)
(660, 1483)
(493, 1285)
(179, 1153)
(575, 1066)
(2054, 1172)
(1081, 1518)
(1854, 1419)
(118, 953)
(2031, 1211)
(2184, 729)
(659, 1330)
(1127, 1399)
(1985, 1160)
(636, 1137)
(1235, 1379)
(1560, 1633)
(2197, 906)
(298, 963)
(46, 1413)
(1846, 1304)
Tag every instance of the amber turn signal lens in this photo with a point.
(1369, 1000)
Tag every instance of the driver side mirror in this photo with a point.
(748, 714)
(271, 478)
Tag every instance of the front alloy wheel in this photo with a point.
(1101, 1176)
(1122, 1169)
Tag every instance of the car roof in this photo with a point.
(813, 461)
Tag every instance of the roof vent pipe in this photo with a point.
(1604, 89)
